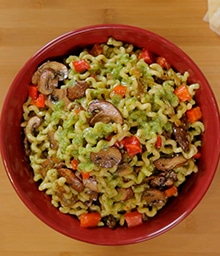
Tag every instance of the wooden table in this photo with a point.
(25, 26)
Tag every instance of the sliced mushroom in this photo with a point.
(124, 169)
(53, 143)
(51, 162)
(93, 196)
(78, 91)
(48, 75)
(71, 179)
(167, 164)
(154, 197)
(65, 202)
(106, 158)
(47, 81)
(125, 193)
(32, 124)
(57, 95)
(59, 69)
(161, 181)
(91, 183)
(181, 136)
(104, 111)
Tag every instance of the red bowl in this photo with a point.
(19, 171)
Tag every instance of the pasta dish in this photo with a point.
(111, 133)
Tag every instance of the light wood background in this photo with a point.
(25, 26)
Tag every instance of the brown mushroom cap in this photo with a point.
(48, 75)
(71, 179)
(91, 183)
(154, 196)
(53, 143)
(57, 95)
(106, 158)
(125, 193)
(78, 91)
(167, 164)
(59, 69)
(47, 81)
(32, 124)
(105, 112)
(182, 137)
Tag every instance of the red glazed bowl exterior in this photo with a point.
(20, 173)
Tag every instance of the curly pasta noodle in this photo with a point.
(152, 112)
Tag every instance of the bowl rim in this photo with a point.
(77, 32)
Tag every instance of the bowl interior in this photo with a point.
(19, 171)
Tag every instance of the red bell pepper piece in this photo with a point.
(40, 101)
(120, 90)
(74, 164)
(81, 65)
(197, 155)
(194, 114)
(133, 218)
(36, 98)
(132, 145)
(96, 50)
(172, 191)
(85, 175)
(33, 91)
(88, 220)
(163, 62)
(147, 56)
(182, 92)
(158, 143)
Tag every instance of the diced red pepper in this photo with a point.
(120, 90)
(133, 149)
(197, 155)
(88, 220)
(194, 114)
(81, 65)
(96, 50)
(182, 92)
(33, 91)
(74, 164)
(158, 143)
(85, 175)
(80, 108)
(133, 218)
(132, 145)
(163, 62)
(39, 102)
(147, 56)
(172, 191)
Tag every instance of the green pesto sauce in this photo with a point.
(100, 130)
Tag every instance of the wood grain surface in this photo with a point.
(27, 25)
